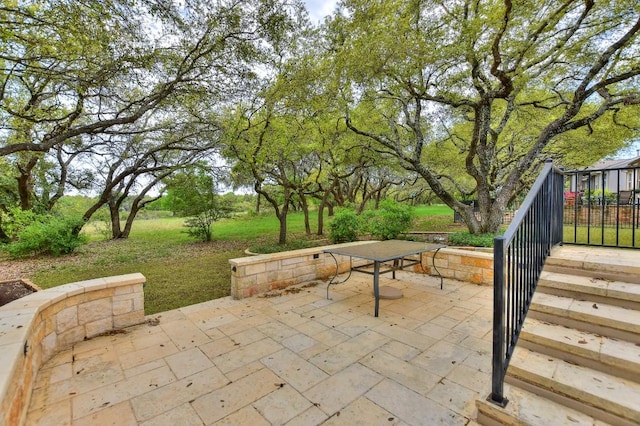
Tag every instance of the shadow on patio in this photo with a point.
(295, 359)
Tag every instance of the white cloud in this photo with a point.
(318, 9)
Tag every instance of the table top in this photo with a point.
(383, 251)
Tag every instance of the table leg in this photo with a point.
(376, 283)
(395, 266)
(331, 281)
(433, 259)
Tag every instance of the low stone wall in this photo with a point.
(464, 264)
(265, 272)
(38, 326)
(260, 274)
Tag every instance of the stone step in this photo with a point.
(610, 264)
(612, 321)
(597, 289)
(612, 356)
(529, 409)
(606, 397)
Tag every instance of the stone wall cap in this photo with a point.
(261, 258)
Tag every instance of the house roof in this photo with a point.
(615, 164)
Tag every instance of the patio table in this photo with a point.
(396, 251)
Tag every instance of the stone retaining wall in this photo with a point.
(38, 326)
(464, 264)
(260, 274)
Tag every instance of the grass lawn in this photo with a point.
(625, 237)
(179, 271)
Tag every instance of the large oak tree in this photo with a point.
(503, 82)
(73, 72)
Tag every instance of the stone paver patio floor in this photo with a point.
(295, 359)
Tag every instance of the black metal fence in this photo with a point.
(602, 207)
(519, 257)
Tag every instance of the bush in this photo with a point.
(199, 226)
(15, 220)
(344, 227)
(47, 234)
(389, 221)
(473, 240)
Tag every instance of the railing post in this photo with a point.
(498, 360)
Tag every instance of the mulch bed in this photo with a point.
(12, 290)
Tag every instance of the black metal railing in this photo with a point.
(519, 257)
(602, 207)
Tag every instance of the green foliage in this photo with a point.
(473, 98)
(473, 240)
(595, 197)
(344, 227)
(192, 193)
(45, 234)
(387, 222)
(199, 226)
(15, 220)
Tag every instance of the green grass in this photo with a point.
(593, 235)
(437, 218)
(182, 272)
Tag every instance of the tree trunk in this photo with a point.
(135, 208)
(320, 218)
(305, 209)
(282, 218)
(114, 213)
(25, 183)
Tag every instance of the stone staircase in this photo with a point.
(577, 361)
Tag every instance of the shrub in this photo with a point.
(473, 240)
(15, 220)
(344, 227)
(47, 234)
(389, 221)
(199, 226)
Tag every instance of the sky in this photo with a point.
(318, 9)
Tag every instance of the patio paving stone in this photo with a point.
(406, 374)
(282, 405)
(342, 388)
(224, 401)
(111, 394)
(299, 342)
(412, 407)
(294, 369)
(294, 359)
(346, 353)
(157, 401)
(441, 358)
(184, 334)
(189, 362)
(119, 414)
(245, 416)
(246, 354)
(184, 415)
(362, 412)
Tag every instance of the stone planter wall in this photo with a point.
(260, 274)
(265, 272)
(38, 326)
(464, 264)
